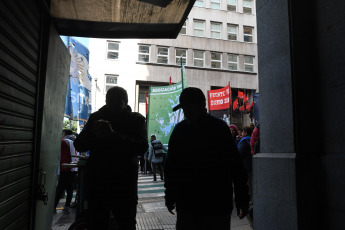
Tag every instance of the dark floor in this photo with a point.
(152, 213)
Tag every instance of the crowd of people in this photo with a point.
(206, 162)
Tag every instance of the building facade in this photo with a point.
(217, 44)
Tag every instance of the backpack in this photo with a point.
(157, 149)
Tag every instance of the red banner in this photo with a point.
(219, 98)
(146, 102)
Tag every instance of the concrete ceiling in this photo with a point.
(120, 18)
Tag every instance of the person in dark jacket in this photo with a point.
(246, 156)
(115, 137)
(201, 168)
(156, 157)
(234, 132)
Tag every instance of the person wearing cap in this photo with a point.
(115, 137)
(203, 168)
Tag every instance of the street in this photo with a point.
(151, 211)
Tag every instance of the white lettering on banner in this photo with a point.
(80, 98)
(217, 102)
(164, 89)
(220, 94)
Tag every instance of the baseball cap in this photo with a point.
(191, 95)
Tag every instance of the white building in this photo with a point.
(217, 43)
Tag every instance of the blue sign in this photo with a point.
(78, 101)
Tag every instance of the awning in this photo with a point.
(120, 18)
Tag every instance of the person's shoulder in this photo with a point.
(137, 116)
(64, 142)
(181, 124)
(216, 120)
(95, 116)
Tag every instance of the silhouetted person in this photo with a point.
(156, 156)
(115, 137)
(246, 156)
(202, 166)
(67, 175)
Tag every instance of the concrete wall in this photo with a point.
(275, 167)
(298, 177)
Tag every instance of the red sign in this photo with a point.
(219, 98)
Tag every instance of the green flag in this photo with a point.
(183, 75)
(161, 119)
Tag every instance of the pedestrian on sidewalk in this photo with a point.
(246, 156)
(202, 166)
(66, 175)
(156, 156)
(115, 136)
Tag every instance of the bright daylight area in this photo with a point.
(215, 51)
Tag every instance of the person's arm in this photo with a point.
(253, 139)
(150, 153)
(165, 149)
(85, 139)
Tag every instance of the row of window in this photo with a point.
(198, 58)
(181, 54)
(232, 5)
(216, 30)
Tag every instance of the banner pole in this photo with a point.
(208, 101)
(182, 72)
(229, 109)
(253, 108)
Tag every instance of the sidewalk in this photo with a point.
(151, 211)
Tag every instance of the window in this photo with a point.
(199, 28)
(216, 29)
(199, 3)
(110, 81)
(178, 54)
(199, 58)
(162, 55)
(247, 6)
(232, 61)
(232, 5)
(142, 90)
(215, 4)
(249, 63)
(144, 53)
(216, 60)
(113, 50)
(184, 28)
(232, 32)
(247, 34)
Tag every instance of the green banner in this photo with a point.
(161, 118)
